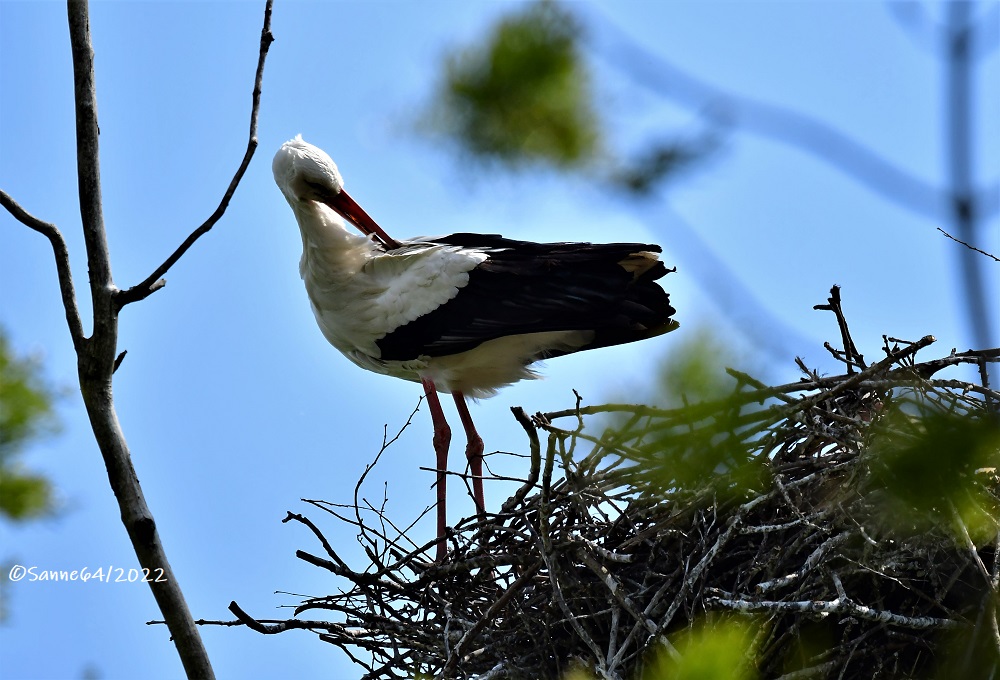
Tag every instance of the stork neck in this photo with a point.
(327, 241)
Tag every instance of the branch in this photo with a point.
(89, 177)
(931, 36)
(850, 356)
(781, 124)
(266, 627)
(536, 459)
(154, 281)
(971, 247)
(747, 312)
(63, 269)
(840, 606)
(96, 358)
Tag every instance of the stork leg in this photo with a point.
(442, 439)
(473, 451)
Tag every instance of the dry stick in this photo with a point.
(970, 545)
(275, 627)
(536, 459)
(694, 573)
(490, 615)
(548, 555)
(615, 588)
(814, 558)
(984, 375)
(368, 468)
(851, 355)
(536, 463)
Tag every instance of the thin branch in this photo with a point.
(536, 458)
(63, 269)
(746, 312)
(971, 247)
(820, 139)
(277, 626)
(98, 357)
(155, 281)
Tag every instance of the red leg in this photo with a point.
(473, 451)
(442, 438)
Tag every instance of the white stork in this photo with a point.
(464, 314)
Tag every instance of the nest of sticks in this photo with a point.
(615, 545)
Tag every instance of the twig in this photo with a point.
(155, 281)
(971, 247)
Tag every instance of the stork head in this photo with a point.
(305, 173)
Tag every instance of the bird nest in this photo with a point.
(847, 525)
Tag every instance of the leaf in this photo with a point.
(936, 469)
(709, 651)
(26, 413)
(523, 96)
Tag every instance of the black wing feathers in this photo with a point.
(528, 287)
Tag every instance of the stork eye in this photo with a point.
(319, 188)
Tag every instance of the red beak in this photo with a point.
(354, 213)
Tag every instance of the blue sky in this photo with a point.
(232, 402)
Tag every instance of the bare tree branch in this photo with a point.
(154, 281)
(913, 18)
(781, 124)
(97, 357)
(965, 213)
(63, 269)
(89, 174)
